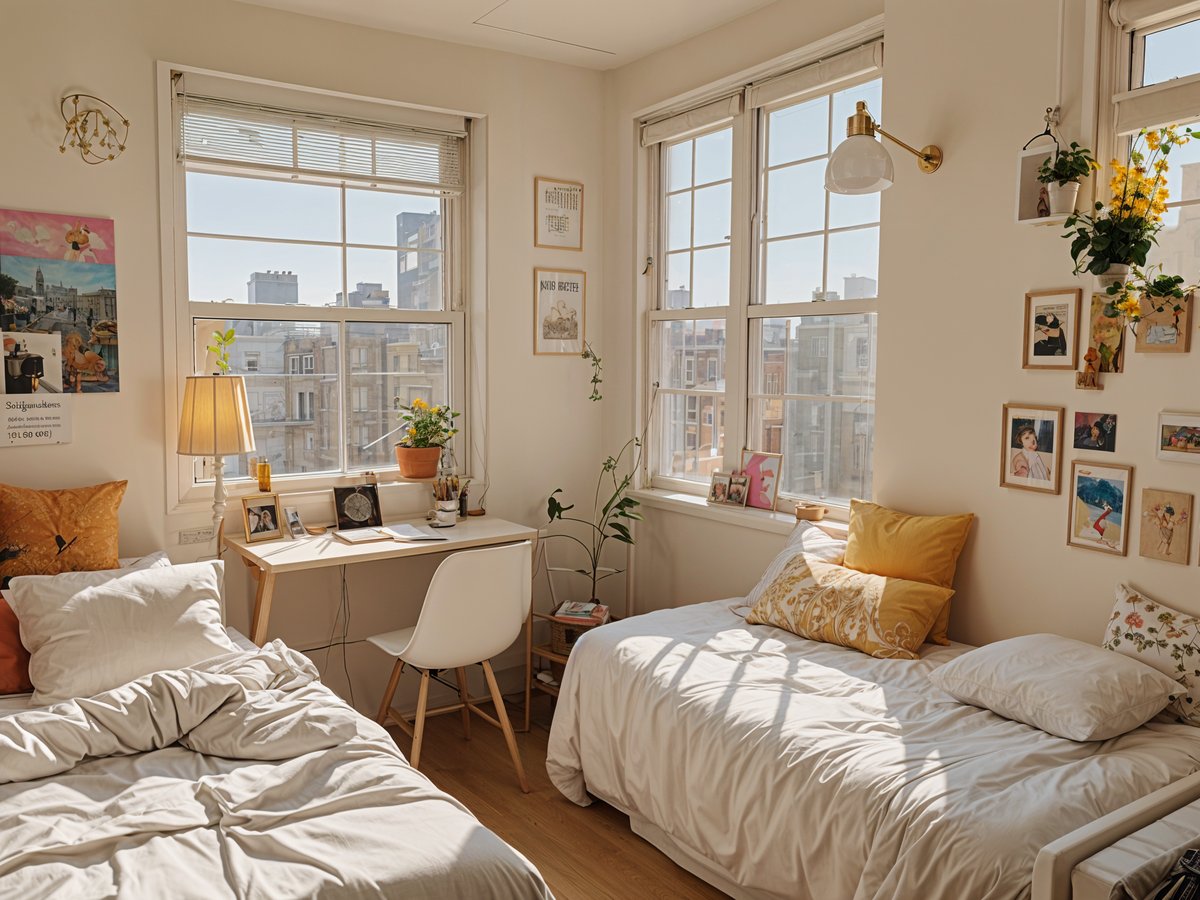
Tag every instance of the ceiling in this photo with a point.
(597, 34)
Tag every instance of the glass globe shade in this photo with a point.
(859, 165)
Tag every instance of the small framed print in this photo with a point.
(261, 517)
(1098, 517)
(1095, 431)
(1168, 330)
(291, 519)
(357, 506)
(1179, 437)
(1031, 447)
(718, 489)
(557, 214)
(739, 489)
(761, 471)
(1166, 526)
(559, 311)
(1052, 329)
(1106, 335)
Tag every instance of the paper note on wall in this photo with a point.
(29, 420)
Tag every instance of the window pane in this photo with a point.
(1171, 53)
(679, 166)
(692, 354)
(712, 215)
(844, 103)
(819, 355)
(678, 293)
(691, 435)
(402, 220)
(794, 270)
(710, 277)
(799, 132)
(714, 156)
(382, 279)
(257, 272)
(256, 207)
(854, 264)
(846, 210)
(1183, 170)
(679, 221)
(796, 199)
(826, 446)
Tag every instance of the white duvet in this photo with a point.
(240, 777)
(803, 770)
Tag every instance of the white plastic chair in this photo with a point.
(476, 606)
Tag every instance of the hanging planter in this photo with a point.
(1062, 197)
(1061, 173)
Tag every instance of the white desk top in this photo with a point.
(317, 551)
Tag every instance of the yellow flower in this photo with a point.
(1152, 140)
(420, 404)
(412, 432)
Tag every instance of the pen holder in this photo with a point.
(445, 513)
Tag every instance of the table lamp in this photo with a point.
(214, 420)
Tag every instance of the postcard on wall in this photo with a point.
(559, 308)
(1179, 437)
(1166, 330)
(1095, 431)
(1106, 335)
(1031, 447)
(1166, 526)
(1098, 517)
(1052, 329)
(558, 214)
(58, 288)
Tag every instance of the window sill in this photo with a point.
(758, 519)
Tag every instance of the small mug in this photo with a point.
(446, 513)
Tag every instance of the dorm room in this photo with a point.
(648, 288)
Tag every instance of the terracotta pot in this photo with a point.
(418, 462)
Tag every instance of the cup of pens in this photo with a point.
(445, 501)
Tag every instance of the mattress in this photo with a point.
(779, 767)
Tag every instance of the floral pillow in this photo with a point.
(1161, 637)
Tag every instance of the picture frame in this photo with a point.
(1098, 517)
(1106, 335)
(761, 471)
(292, 522)
(1052, 329)
(262, 518)
(1095, 431)
(739, 489)
(718, 488)
(1166, 331)
(557, 213)
(559, 311)
(1166, 532)
(1178, 437)
(1031, 447)
(357, 506)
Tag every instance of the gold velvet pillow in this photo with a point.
(48, 532)
(885, 617)
(883, 541)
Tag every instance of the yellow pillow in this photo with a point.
(822, 601)
(883, 541)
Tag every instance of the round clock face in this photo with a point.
(357, 507)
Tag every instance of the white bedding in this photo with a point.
(284, 792)
(797, 769)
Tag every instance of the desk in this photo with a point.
(269, 559)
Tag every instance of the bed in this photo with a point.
(774, 766)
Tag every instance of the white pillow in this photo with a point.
(1064, 687)
(88, 632)
(805, 538)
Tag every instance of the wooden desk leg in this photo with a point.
(262, 607)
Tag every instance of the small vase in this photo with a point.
(1116, 273)
(1063, 197)
(418, 462)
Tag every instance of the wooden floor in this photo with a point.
(584, 854)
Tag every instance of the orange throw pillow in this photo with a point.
(14, 658)
(48, 532)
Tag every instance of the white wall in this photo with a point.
(542, 119)
(953, 273)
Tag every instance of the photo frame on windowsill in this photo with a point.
(762, 471)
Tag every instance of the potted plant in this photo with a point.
(427, 430)
(1061, 174)
(1147, 292)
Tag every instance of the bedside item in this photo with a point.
(762, 472)
(262, 517)
(810, 512)
(357, 506)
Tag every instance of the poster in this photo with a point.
(558, 214)
(58, 303)
(560, 297)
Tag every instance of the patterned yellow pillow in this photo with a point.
(822, 601)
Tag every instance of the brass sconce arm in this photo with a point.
(929, 158)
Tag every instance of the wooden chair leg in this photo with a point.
(390, 692)
(505, 725)
(465, 698)
(419, 724)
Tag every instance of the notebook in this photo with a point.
(406, 532)
(360, 535)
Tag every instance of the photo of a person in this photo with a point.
(1166, 526)
(1031, 446)
(261, 517)
(266, 522)
(294, 526)
(1052, 328)
(738, 485)
(1100, 502)
(1051, 334)
(1095, 431)
(718, 491)
(1027, 461)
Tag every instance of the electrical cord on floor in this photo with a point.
(343, 614)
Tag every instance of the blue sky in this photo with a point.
(79, 275)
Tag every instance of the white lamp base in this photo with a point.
(219, 497)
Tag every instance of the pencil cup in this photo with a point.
(445, 513)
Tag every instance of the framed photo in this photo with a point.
(1095, 431)
(1179, 437)
(291, 521)
(718, 489)
(739, 489)
(262, 518)
(1098, 517)
(1052, 329)
(557, 214)
(559, 310)
(357, 506)
(1106, 335)
(1166, 331)
(761, 471)
(1031, 447)
(1166, 526)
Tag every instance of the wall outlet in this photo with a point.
(196, 535)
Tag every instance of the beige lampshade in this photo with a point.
(214, 419)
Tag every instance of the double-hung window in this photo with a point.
(333, 247)
(763, 315)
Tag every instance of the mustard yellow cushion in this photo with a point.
(883, 541)
(822, 601)
(48, 532)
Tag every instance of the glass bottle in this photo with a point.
(264, 475)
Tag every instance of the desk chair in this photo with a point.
(475, 607)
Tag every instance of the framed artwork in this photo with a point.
(1099, 503)
(718, 489)
(1052, 329)
(1179, 437)
(739, 489)
(1031, 447)
(559, 311)
(1168, 330)
(1095, 431)
(262, 518)
(357, 506)
(761, 471)
(557, 214)
(1106, 335)
(1166, 526)
(291, 518)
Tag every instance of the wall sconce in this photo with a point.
(90, 129)
(861, 165)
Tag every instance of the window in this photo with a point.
(333, 248)
(777, 314)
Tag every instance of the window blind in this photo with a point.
(697, 119)
(1177, 100)
(1135, 14)
(248, 136)
(819, 76)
